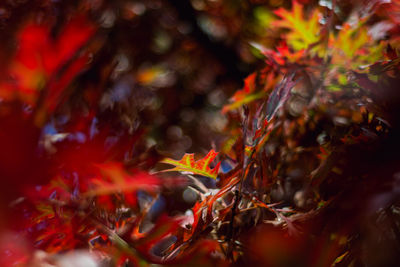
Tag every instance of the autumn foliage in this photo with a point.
(102, 103)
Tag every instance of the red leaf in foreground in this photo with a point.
(40, 58)
(118, 180)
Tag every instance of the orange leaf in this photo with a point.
(244, 95)
(188, 164)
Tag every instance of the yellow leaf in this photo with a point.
(349, 40)
(303, 31)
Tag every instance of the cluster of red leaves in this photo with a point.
(43, 61)
(297, 182)
(77, 190)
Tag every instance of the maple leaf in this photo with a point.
(244, 95)
(350, 39)
(43, 61)
(253, 89)
(283, 53)
(303, 31)
(188, 164)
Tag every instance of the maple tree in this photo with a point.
(101, 102)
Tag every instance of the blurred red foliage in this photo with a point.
(97, 96)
